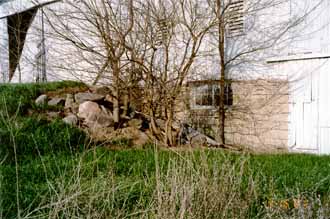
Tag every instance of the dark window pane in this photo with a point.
(199, 99)
(229, 95)
(217, 96)
(209, 95)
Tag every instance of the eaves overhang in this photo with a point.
(12, 7)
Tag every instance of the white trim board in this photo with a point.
(299, 57)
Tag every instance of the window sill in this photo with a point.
(202, 107)
(211, 108)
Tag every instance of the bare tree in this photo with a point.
(158, 39)
(172, 33)
(99, 32)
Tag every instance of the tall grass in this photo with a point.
(185, 185)
(23, 139)
(153, 184)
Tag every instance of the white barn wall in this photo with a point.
(260, 26)
(306, 62)
(312, 36)
(59, 54)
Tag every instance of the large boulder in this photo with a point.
(197, 140)
(88, 109)
(100, 120)
(69, 102)
(188, 135)
(71, 119)
(41, 100)
(83, 97)
(56, 101)
(94, 116)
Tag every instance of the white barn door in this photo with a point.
(324, 117)
(304, 78)
(309, 128)
(304, 114)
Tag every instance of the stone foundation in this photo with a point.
(257, 118)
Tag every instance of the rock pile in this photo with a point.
(92, 111)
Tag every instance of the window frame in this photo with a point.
(197, 89)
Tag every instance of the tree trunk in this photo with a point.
(222, 111)
(168, 138)
(116, 94)
(153, 126)
(126, 103)
(129, 86)
(221, 50)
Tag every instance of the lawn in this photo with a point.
(50, 170)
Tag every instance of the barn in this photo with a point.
(292, 75)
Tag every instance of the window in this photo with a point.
(208, 96)
(235, 18)
(204, 96)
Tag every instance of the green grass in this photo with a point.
(293, 173)
(33, 135)
(134, 172)
(53, 175)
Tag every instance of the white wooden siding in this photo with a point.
(312, 35)
(309, 118)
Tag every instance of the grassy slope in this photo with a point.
(59, 179)
(33, 135)
(18, 98)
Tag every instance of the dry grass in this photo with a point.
(187, 186)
